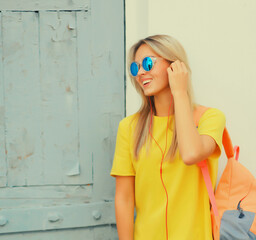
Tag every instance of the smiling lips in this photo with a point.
(146, 81)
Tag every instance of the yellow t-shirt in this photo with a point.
(188, 201)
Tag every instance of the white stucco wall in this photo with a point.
(220, 40)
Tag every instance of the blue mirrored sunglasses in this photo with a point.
(147, 64)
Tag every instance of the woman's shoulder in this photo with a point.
(128, 121)
(208, 111)
(211, 114)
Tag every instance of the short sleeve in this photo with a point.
(122, 163)
(212, 123)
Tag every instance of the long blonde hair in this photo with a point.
(170, 49)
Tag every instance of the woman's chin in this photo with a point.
(148, 94)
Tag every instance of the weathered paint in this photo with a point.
(109, 90)
(36, 5)
(22, 101)
(3, 164)
(105, 232)
(61, 98)
(25, 197)
(44, 147)
(57, 217)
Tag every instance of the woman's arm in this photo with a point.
(193, 147)
(124, 206)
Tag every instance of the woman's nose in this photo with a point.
(141, 71)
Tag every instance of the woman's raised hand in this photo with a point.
(178, 77)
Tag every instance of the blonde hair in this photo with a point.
(170, 49)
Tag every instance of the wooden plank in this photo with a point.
(3, 163)
(66, 234)
(59, 97)
(49, 139)
(109, 92)
(105, 232)
(86, 93)
(37, 5)
(22, 98)
(58, 217)
(27, 197)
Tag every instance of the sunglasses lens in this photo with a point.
(134, 69)
(147, 63)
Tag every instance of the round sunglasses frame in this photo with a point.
(138, 65)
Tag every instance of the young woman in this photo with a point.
(158, 148)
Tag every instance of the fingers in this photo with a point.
(178, 66)
(184, 67)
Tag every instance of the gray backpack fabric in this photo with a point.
(235, 227)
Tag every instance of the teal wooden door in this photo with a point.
(61, 98)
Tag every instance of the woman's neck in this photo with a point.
(162, 104)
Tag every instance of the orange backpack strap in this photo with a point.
(199, 110)
(227, 144)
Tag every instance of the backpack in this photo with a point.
(234, 203)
